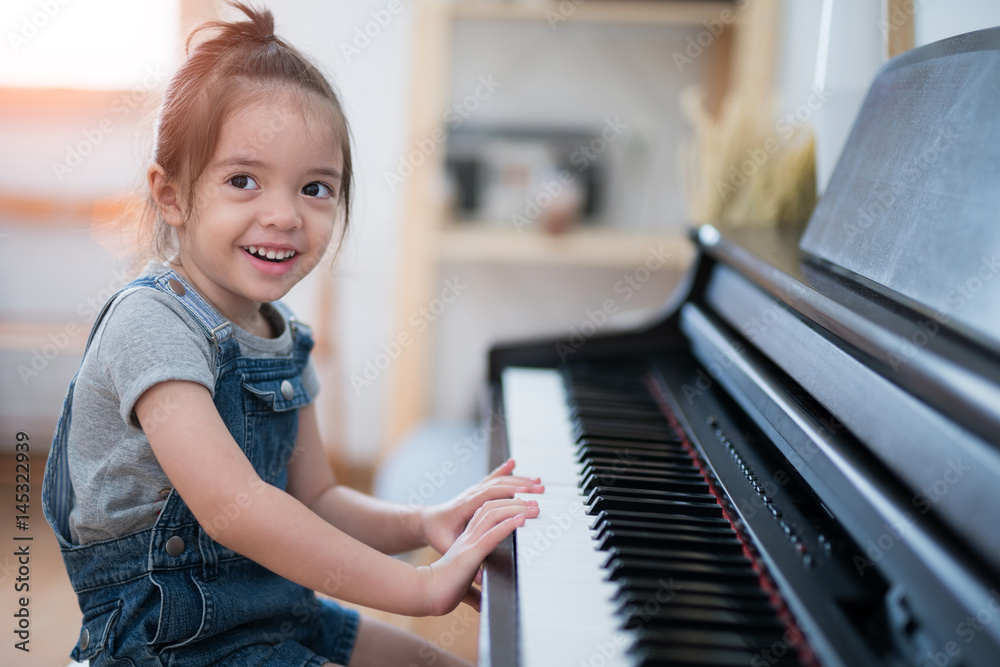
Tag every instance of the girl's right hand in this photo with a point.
(452, 575)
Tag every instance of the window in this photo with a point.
(88, 44)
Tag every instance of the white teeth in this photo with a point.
(278, 255)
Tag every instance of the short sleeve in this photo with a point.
(148, 338)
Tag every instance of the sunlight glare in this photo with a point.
(96, 44)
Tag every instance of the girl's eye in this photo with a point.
(243, 182)
(317, 189)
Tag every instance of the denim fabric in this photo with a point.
(170, 595)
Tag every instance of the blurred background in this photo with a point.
(524, 168)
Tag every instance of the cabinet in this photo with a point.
(546, 66)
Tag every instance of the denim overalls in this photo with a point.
(171, 595)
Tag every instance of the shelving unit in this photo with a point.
(585, 247)
(739, 56)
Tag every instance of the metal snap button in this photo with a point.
(175, 546)
(176, 287)
(287, 390)
(84, 639)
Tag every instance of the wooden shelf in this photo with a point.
(16, 336)
(585, 247)
(603, 11)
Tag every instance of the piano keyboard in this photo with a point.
(632, 560)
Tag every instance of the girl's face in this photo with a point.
(266, 206)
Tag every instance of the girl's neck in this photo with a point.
(249, 318)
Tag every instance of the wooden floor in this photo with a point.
(55, 617)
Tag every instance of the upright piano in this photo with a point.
(797, 463)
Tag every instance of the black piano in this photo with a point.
(798, 463)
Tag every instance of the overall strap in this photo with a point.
(215, 327)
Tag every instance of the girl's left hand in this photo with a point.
(442, 524)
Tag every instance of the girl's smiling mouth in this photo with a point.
(269, 254)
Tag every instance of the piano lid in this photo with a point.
(914, 202)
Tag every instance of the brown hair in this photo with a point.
(228, 69)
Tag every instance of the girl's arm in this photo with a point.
(389, 527)
(212, 475)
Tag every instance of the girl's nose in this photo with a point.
(281, 213)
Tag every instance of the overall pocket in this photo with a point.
(184, 605)
(97, 631)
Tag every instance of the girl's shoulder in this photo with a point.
(143, 325)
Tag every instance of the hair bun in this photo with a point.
(258, 26)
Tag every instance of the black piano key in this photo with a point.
(662, 519)
(622, 537)
(602, 528)
(652, 494)
(643, 482)
(634, 434)
(657, 468)
(650, 600)
(618, 568)
(666, 445)
(603, 502)
(661, 586)
(682, 616)
(703, 656)
(681, 461)
(724, 639)
(618, 411)
(668, 555)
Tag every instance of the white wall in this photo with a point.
(938, 19)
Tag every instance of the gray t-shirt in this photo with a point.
(145, 338)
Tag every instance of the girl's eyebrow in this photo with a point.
(244, 161)
(325, 171)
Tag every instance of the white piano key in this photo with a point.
(565, 613)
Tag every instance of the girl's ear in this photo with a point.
(165, 196)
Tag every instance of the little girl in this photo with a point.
(187, 483)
